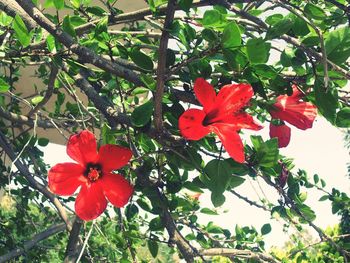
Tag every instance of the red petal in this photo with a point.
(112, 157)
(230, 140)
(297, 94)
(231, 98)
(299, 114)
(190, 124)
(65, 178)
(90, 202)
(82, 147)
(282, 133)
(243, 120)
(205, 93)
(116, 188)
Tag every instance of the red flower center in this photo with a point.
(93, 172)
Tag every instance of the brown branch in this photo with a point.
(115, 116)
(21, 119)
(288, 39)
(27, 245)
(252, 203)
(187, 61)
(12, 8)
(186, 250)
(118, 19)
(85, 54)
(240, 253)
(72, 249)
(158, 112)
(146, 33)
(23, 169)
(49, 92)
(293, 206)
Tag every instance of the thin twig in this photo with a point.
(49, 92)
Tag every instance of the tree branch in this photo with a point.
(23, 169)
(286, 38)
(240, 253)
(85, 54)
(158, 112)
(187, 251)
(27, 245)
(72, 249)
(12, 8)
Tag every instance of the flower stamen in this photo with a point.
(93, 174)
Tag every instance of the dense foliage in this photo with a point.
(128, 77)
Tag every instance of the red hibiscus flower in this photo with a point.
(93, 172)
(222, 114)
(282, 133)
(293, 110)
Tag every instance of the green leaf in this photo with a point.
(314, 11)
(141, 59)
(213, 229)
(219, 174)
(343, 118)
(68, 27)
(266, 152)
(4, 86)
(213, 18)
(96, 10)
(210, 35)
(21, 31)
(326, 101)
(265, 229)
(101, 26)
(5, 20)
(37, 99)
(43, 142)
(265, 71)
(142, 114)
(307, 212)
(153, 247)
(323, 198)
(273, 19)
(218, 199)
(337, 45)
(236, 181)
(51, 44)
(59, 4)
(185, 5)
(280, 28)
(156, 224)
(231, 37)
(316, 178)
(258, 50)
(149, 81)
(300, 27)
(208, 211)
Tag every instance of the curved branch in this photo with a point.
(85, 54)
(49, 92)
(27, 245)
(23, 169)
(12, 8)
